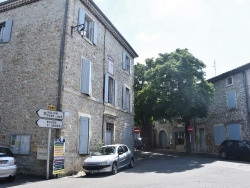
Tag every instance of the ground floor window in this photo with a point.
(179, 138)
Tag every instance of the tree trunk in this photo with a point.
(187, 135)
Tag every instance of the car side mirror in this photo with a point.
(120, 152)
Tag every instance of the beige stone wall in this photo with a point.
(29, 81)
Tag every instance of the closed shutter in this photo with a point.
(7, 31)
(95, 33)
(130, 66)
(86, 77)
(123, 60)
(131, 101)
(231, 99)
(81, 18)
(219, 134)
(106, 88)
(234, 132)
(84, 135)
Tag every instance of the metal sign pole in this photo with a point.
(48, 153)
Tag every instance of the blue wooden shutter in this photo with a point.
(86, 77)
(124, 60)
(95, 33)
(231, 99)
(116, 92)
(124, 104)
(7, 31)
(81, 18)
(234, 132)
(219, 134)
(130, 66)
(84, 135)
(106, 89)
(131, 101)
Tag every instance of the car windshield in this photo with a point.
(105, 150)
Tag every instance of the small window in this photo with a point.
(5, 31)
(110, 95)
(229, 81)
(179, 138)
(126, 63)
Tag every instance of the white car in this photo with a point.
(109, 158)
(8, 166)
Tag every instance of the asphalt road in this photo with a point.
(155, 169)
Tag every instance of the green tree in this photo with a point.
(177, 88)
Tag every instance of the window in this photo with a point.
(231, 99)
(91, 27)
(219, 134)
(111, 66)
(127, 99)
(109, 133)
(126, 63)
(110, 95)
(84, 135)
(5, 31)
(229, 81)
(234, 132)
(86, 86)
(179, 138)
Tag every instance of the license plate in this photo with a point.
(93, 171)
(3, 162)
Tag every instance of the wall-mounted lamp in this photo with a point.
(80, 28)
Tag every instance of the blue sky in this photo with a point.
(212, 30)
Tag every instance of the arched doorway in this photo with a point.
(163, 139)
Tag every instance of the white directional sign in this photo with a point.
(50, 114)
(57, 124)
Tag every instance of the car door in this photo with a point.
(121, 157)
(127, 155)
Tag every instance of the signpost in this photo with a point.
(49, 123)
(50, 114)
(52, 119)
(137, 130)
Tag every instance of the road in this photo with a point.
(154, 169)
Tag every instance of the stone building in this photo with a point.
(228, 116)
(67, 56)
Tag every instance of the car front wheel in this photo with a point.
(114, 168)
(223, 155)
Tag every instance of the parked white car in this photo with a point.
(8, 166)
(109, 158)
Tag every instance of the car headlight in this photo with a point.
(105, 162)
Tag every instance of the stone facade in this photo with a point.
(228, 116)
(41, 65)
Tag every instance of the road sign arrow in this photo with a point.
(50, 114)
(48, 123)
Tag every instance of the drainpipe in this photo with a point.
(61, 62)
(104, 58)
(246, 92)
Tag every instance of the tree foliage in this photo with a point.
(171, 86)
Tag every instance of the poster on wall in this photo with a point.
(59, 155)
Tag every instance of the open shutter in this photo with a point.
(124, 60)
(130, 66)
(81, 18)
(106, 89)
(116, 92)
(95, 33)
(131, 101)
(231, 99)
(124, 106)
(86, 77)
(7, 31)
(84, 135)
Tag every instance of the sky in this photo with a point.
(215, 31)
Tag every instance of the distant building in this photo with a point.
(65, 56)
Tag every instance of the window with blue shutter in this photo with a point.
(234, 132)
(126, 63)
(90, 27)
(110, 90)
(86, 87)
(219, 134)
(5, 31)
(84, 135)
(127, 99)
(231, 99)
